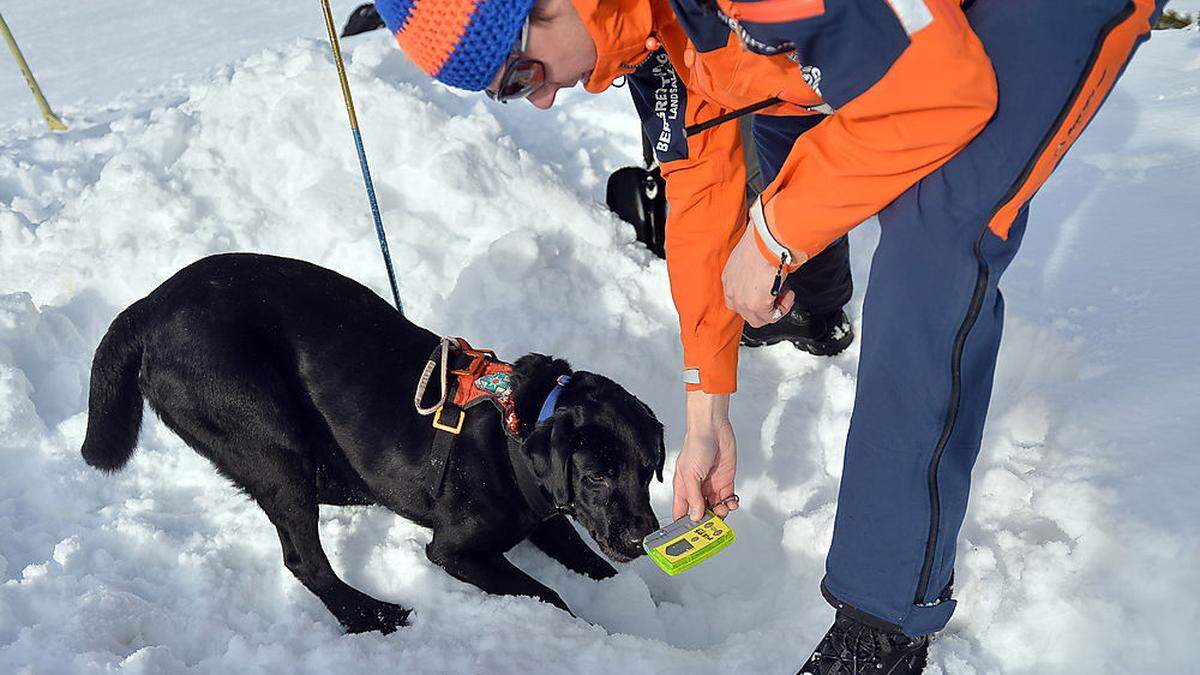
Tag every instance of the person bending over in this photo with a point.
(942, 118)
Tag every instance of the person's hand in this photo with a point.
(706, 465)
(747, 279)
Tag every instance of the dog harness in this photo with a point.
(470, 377)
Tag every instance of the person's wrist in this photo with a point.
(706, 411)
(772, 250)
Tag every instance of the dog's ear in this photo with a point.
(662, 446)
(662, 457)
(549, 449)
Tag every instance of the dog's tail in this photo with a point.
(115, 401)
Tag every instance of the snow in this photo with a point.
(1081, 550)
(83, 70)
(1184, 6)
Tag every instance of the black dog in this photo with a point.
(299, 385)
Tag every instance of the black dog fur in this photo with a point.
(298, 384)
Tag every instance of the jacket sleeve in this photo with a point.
(706, 183)
(707, 196)
(932, 99)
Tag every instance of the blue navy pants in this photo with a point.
(933, 314)
(823, 285)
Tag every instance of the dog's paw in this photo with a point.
(600, 570)
(379, 616)
(553, 598)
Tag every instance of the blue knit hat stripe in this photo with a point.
(394, 13)
(494, 28)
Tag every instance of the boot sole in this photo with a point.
(810, 346)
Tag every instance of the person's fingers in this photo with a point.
(706, 491)
(783, 303)
(679, 506)
(758, 315)
(720, 498)
(765, 316)
(727, 498)
(731, 300)
(695, 500)
(757, 309)
(718, 507)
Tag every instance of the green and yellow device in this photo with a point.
(684, 544)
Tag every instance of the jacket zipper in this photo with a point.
(634, 66)
(981, 282)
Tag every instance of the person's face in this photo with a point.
(560, 40)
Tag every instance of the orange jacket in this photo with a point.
(936, 95)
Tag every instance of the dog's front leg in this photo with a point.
(492, 573)
(558, 539)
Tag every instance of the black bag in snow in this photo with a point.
(638, 196)
(364, 19)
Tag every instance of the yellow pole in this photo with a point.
(362, 154)
(52, 120)
(341, 66)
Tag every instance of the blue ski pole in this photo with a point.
(362, 155)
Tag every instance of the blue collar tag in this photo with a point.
(552, 398)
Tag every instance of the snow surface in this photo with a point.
(1184, 6)
(1081, 552)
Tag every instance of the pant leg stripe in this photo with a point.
(1113, 49)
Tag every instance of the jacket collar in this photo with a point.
(621, 30)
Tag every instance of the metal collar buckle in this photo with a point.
(455, 429)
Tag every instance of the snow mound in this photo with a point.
(497, 236)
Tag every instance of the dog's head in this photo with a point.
(598, 452)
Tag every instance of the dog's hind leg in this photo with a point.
(295, 517)
(284, 484)
(285, 487)
(558, 539)
(491, 572)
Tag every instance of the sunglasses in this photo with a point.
(521, 76)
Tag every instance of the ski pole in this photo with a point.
(52, 120)
(362, 155)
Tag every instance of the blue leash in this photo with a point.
(383, 245)
(362, 155)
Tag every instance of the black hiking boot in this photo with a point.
(853, 648)
(818, 334)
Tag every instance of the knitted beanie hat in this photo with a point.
(462, 43)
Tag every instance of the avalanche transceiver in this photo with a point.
(684, 544)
